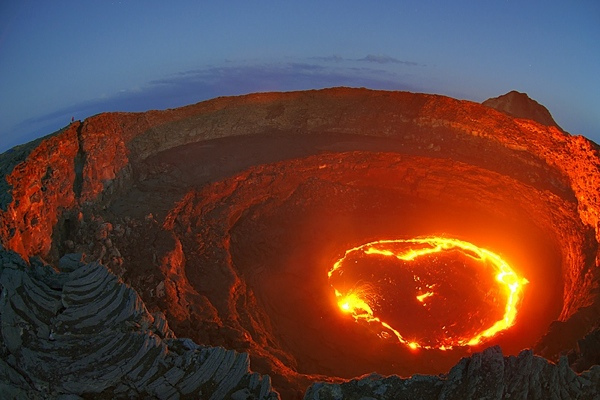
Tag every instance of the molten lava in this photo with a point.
(430, 293)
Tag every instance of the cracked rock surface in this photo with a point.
(82, 332)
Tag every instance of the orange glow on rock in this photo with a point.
(462, 294)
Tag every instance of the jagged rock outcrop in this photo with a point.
(520, 105)
(38, 186)
(215, 212)
(486, 375)
(81, 332)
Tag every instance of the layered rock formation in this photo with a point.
(226, 215)
(83, 332)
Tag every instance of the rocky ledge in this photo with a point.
(82, 333)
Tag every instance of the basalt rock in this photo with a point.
(486, 375)
(226, 216)
(81, 332)
(521, 106)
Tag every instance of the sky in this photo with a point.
(62, 58)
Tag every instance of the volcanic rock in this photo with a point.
(221, 219)
(83, 332)
(486, 375)
(520, 105)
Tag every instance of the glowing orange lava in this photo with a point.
(440, 281)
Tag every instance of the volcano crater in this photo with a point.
(279, 227)
(227, 216)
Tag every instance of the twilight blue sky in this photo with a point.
(77, 58)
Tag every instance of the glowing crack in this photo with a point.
(361, 300)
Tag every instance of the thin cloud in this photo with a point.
(384, 59)
(194, 85)
(334, 58)
(372, 58)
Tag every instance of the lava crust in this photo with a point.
(227, 216)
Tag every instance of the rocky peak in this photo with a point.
(520, 105)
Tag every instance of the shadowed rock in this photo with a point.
(85, 333)
(520, 105)
(486, 375)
